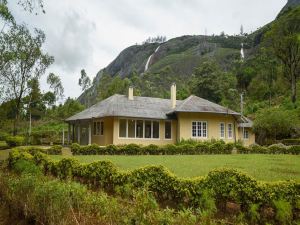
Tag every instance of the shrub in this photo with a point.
(284, 212)
(54, 150)
(291, 141)
(14, 141)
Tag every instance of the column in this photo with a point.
(78, 134)
(69, 135)
(90, 134)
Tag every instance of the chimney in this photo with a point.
(130, 93)
(173, 95)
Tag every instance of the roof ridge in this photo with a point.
(185, 101)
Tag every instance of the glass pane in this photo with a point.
(131, 128)
(199, 129)
(204, 132)
(148, 129)
(122, 128)
(194, 127)
(94, 128)
(98, 128)
(139, 129)
(167, 130)
(102, 128)
(155, 129)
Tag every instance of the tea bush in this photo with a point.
(225, 185)
(13, 141)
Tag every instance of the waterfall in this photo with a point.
(242, 52)
(149, 59)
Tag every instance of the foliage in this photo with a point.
(226, 185)
(13, 141)
(55, 83)
(214, 147)
(275, 123)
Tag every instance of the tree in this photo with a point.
(283, 38)
(56, 85)
(84, 81)
(275, 123)
(21, 59)
(242, 30)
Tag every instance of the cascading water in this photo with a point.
(242, 52)
(149, 59)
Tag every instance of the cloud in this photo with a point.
(90, 34)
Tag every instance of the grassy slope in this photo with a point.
(262, 167)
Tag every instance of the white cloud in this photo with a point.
(90, 34)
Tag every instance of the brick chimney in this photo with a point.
(130, 93)
(173, 95)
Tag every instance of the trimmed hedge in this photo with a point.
(217, 147)
(53, 150)
(272, 149)
(291, 141)
(227, 185)
(14, 141)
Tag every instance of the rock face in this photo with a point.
(290, 4)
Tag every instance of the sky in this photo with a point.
(89, 34)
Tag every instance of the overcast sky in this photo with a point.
(89, 34)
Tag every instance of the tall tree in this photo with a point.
(84, 81)
(283, 38)
(56, 85)
(21, 59)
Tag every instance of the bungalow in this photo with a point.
(122, 119)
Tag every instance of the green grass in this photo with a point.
(262, 167)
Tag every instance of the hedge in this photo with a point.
(291, 141)
(53, 150)
(272, 149)
(13, 141)
(227, 185)
(217, 147)
(171, 149)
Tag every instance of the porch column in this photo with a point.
(78, 134)
(90, 134)
(69, 135)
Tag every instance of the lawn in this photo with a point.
(262, 167)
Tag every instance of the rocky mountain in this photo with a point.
(181, 55)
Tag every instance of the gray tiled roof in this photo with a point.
(120, 105)
(197, 104)
(147, 107)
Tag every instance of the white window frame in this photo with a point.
(201, 129)
(137, 138)
(169, 121)
(224, 130)
(246, 131)
(230, 125)
(95, 133)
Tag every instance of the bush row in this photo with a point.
(272, 149)
(50, 201)
(133, 149)
(291, 141)
(53, 150)
(218, 147)
(226, 185)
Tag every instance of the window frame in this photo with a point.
(199, 124)
(232, 130)
(248, 135)
(224, 130)
(171, 126)
(135, 126)
(97, 132)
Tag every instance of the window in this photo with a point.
(199, 129)
(94, 128)
(230, 131)
(138, 128)
(122, 128)
(222, 130)
(168, 128)
(148, 129)
(246, 134)
(155, 129)
(102, 128)
(131, 128)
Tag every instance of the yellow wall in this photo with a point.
(145, 141)
(250, 140)
(213, 125)
(107, 137)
